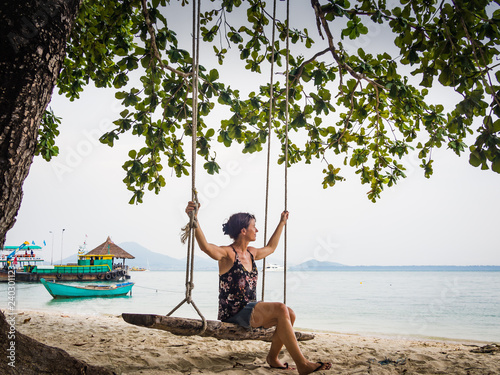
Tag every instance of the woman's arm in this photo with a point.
(273, 241)
(213, 251)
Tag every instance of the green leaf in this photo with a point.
(213, 75)
(495, 165)
(120, 95)
(212, 167)
(47, 133)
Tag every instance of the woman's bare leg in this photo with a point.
(277, 344)
(268, 314)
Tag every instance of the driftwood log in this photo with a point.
(215, 328)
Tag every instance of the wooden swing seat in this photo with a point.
(215, 328)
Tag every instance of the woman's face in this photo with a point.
(251, 232)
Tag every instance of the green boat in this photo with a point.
(58, 290)
(98, 264)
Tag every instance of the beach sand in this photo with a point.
(126, 349)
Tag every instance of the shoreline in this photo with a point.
(108, 341)
(388, 336)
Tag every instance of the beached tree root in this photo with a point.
(27, 356)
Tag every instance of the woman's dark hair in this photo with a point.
(236, 223)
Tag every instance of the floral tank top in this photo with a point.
(237, 287)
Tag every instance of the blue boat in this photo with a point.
(98, 264)
(58, 290)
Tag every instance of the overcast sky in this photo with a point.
(450, 219)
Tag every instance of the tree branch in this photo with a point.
(324, 23)
(154, 48)
(482, 67)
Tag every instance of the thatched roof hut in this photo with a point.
(110, 248)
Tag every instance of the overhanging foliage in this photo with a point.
(354, 109)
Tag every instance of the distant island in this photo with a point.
(315, 265)
(145, 258)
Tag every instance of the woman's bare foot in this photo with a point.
(315, 366)
(276, 364)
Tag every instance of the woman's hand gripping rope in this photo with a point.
(192, 211)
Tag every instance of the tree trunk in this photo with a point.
(216, 329)
(24, 356)
(33, 35)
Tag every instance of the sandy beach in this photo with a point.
(110, 342)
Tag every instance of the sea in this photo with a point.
(456, 306)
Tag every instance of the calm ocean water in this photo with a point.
(452, 305)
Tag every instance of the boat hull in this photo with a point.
(21, 276)
(57, 290)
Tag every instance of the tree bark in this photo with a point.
(216, 329)
(33, 35)
(24, 356)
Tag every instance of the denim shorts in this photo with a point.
(244, 315)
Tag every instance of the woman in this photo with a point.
(238, 283)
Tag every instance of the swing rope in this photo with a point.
(189, 229)
(285, 255)
(271, 118)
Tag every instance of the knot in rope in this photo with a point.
(189, 289)
(193, 220)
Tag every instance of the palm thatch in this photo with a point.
(110, 248)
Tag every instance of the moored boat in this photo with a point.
(97, 264)
(138, 269)
(58, 290)
(16, 257)
(274, 267)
